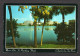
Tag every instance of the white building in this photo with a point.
(38, 23)
(28, 22)
(50, 22)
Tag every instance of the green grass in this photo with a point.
(56, 46)
(44, 46)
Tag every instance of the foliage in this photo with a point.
(65, 32)
(62, 9)
(9, 32)
(41, 12)
(22, 8)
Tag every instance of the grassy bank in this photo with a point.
(44, 46)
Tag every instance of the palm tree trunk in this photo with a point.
(63, 27)
(42, 32)
(35, 34)
(13, 37)
(42, 35)
(63, 18)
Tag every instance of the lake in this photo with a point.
(27, 35)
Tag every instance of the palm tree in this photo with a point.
(64, 10)
(36, 11)
(34, 14)
(35, 31)
(13, 37)
(35, 20)
(44, 12)
(22, 8)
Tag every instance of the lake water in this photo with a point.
(27, 35)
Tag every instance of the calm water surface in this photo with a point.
(27, 35)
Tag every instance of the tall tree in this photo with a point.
(64, 10)
(44, 12)
(13, 37)
(33, 9)
(35, 31)
(9, 32)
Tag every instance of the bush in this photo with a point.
(9, 32)
(65, 32)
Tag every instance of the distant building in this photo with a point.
(38, 23)
(55, 22)
(21, 24)
(28, 22)
(50, 23)
(71, 21)
(65, 22)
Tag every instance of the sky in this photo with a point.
(27, 16)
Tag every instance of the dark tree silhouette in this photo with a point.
(64, 10)
(9, 34)
(68, 31)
